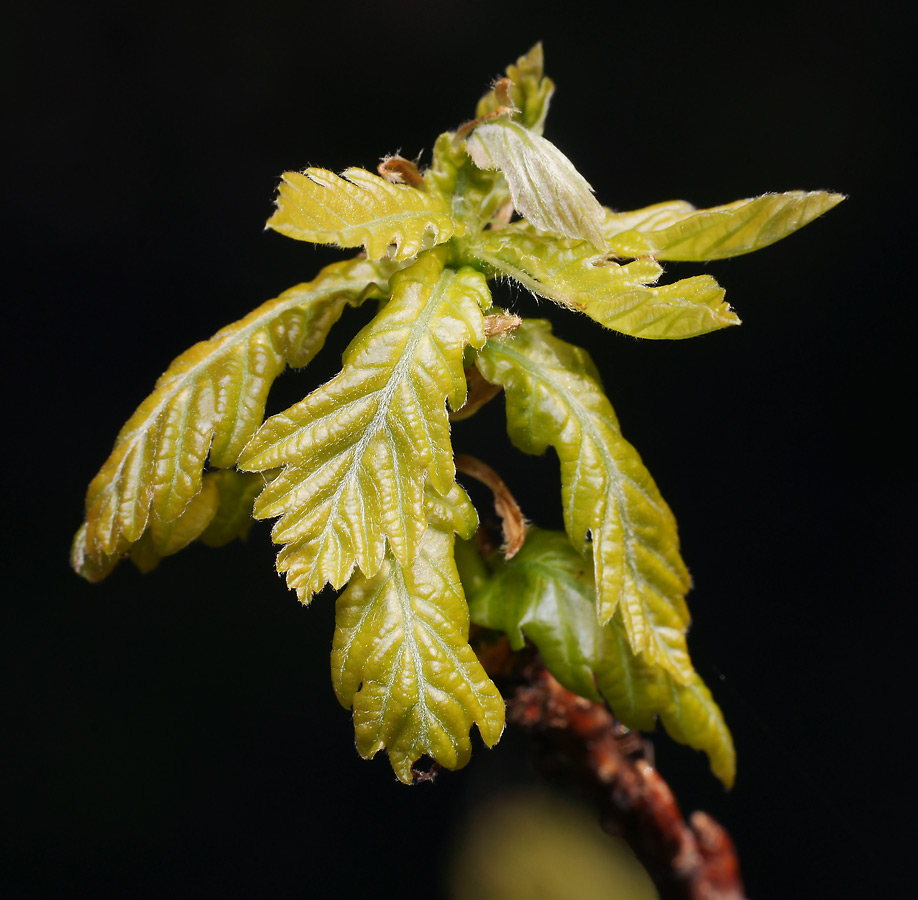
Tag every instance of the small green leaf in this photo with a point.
(546, 592)
(650, 218)
(678, 231)
(529, 92)
(553, 398)
(358, 450)
(233, 516)
(361, 209)
(617, 296)
(474, 196)
(220, 512)
(692, 717)
(545, 186)
(91, 565)
(401, 657)
(166, 538)
(207, 405)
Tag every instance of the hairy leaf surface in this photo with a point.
(554, 398)
(475, 196)
(678, 231)
(546, 592)
(166, 538)
(617, 296)
(357, 451)
(361, 209)
(209, 402)
(401, 657)
(650, 218)
(219, 513)
(545, 186)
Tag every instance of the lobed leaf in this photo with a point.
(677, 231)
(401, 657)
(692, 717)
(209, 402)
(358, 450)
(361, 209)
(545, 186)
(162, 539)
(617, 296)
(547, 593)
(554, 398)
(219, 513)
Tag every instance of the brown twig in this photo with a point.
(580, 740)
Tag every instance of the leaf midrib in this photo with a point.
(587, 425)
(405, 361)
(189, 379)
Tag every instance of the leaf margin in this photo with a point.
(113, 521)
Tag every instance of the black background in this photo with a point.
(176, 734)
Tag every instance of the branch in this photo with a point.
(581, 741)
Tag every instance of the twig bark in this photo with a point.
(581, 741)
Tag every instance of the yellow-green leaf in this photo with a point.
(617, 296)
(233, 516)
(650, 218)
(678, 231)
(220, 512)
(93, 566)
(208, 404)
(554, 398)
(401, 657)
(529, 92)
(475, 196)
(166, 538)
(547, 593)
(358, 450)
(361, 209)
(692, 717)
(545, 186)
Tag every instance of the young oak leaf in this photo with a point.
(358, 450)
(554, 398)
(650, 218)
(162, 539)
(361, 209)
(546, 188)
(529, 91)
(546, 592)
(617, 296)
(475, 196)
(401, 657)
(233, 516)
(209, 402)
(678, 231)
(687, 710)
(219, 513)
